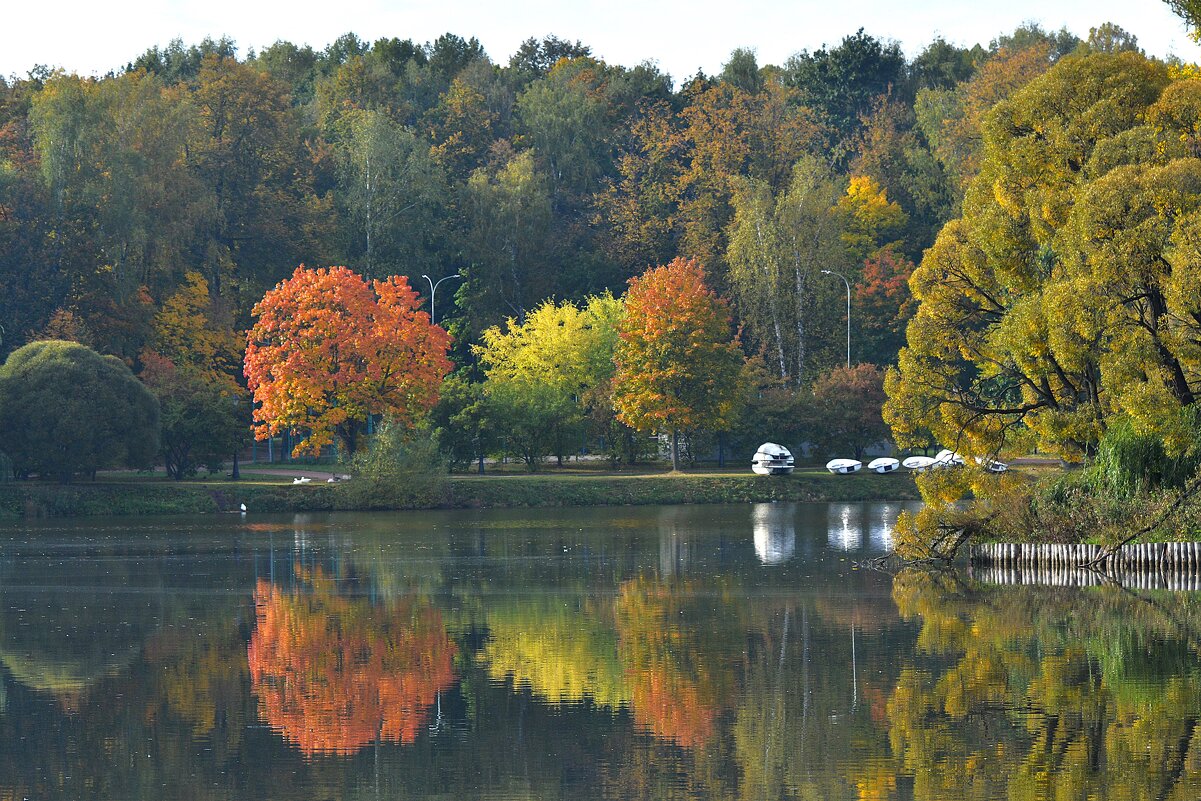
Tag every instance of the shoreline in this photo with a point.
(106, 497)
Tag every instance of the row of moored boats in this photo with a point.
(776, 460)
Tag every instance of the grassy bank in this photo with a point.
(136, 496)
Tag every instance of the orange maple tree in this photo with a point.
(334, 674)
(329, 349)
(677, 364)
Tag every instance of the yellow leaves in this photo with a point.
(872, 219)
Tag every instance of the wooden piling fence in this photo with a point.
(1155, 565)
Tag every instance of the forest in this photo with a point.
(145, 214)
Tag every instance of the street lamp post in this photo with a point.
(848, 283)
(434, 290)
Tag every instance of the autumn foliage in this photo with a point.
(677, 362)
(329, 349)
(674, 694)
(333, 674)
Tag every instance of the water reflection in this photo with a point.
(851, 525)
(1045, 692)
(613, 654)
(775, 531)
(333, 674)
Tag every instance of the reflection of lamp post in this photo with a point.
(434, 290)
(848, 283)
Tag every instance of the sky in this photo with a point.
(90, 37)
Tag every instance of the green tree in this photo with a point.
(742, 71)
(1190, 12)
(778, 246)
(678, 366)
(66, 410)
(843, 83)
(202, 421)
(391, 196)
(508, 218)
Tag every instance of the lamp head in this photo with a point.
(826, 272)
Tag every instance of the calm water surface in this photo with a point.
(630, 653)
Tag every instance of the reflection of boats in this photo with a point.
(845, 528)
(885, 464)
(775, 531)
(844, 466)
(918, 463)
(772, 460)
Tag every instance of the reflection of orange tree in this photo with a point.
(674, 689)
(333, 674)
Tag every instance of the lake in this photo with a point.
(702, 652)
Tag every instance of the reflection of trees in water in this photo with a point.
(805, 727)
(64, 641)
(1048, 693)
(333, 674)
(564, 649)
(672, 659)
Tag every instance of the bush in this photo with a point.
(66, 410)
(400, 469)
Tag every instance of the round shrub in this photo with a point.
(65, 410)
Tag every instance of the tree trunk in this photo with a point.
(675, 451)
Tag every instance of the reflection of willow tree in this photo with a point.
(565, 654)
(666, 641)
(1045, 694)
(334, 674)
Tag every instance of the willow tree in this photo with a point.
(1067, 293)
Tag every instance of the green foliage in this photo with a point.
(844, 412)
(1190, 12)
(778, 247)
(203, 421)
(1130, 462)
(401, 468)
(539, 371)
(462, 422)
(843, 82)
(66, 411)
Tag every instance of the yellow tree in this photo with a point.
(539, 370)
(1053, 303)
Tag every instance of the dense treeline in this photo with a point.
(150, 209)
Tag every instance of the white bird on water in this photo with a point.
(243, 506)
